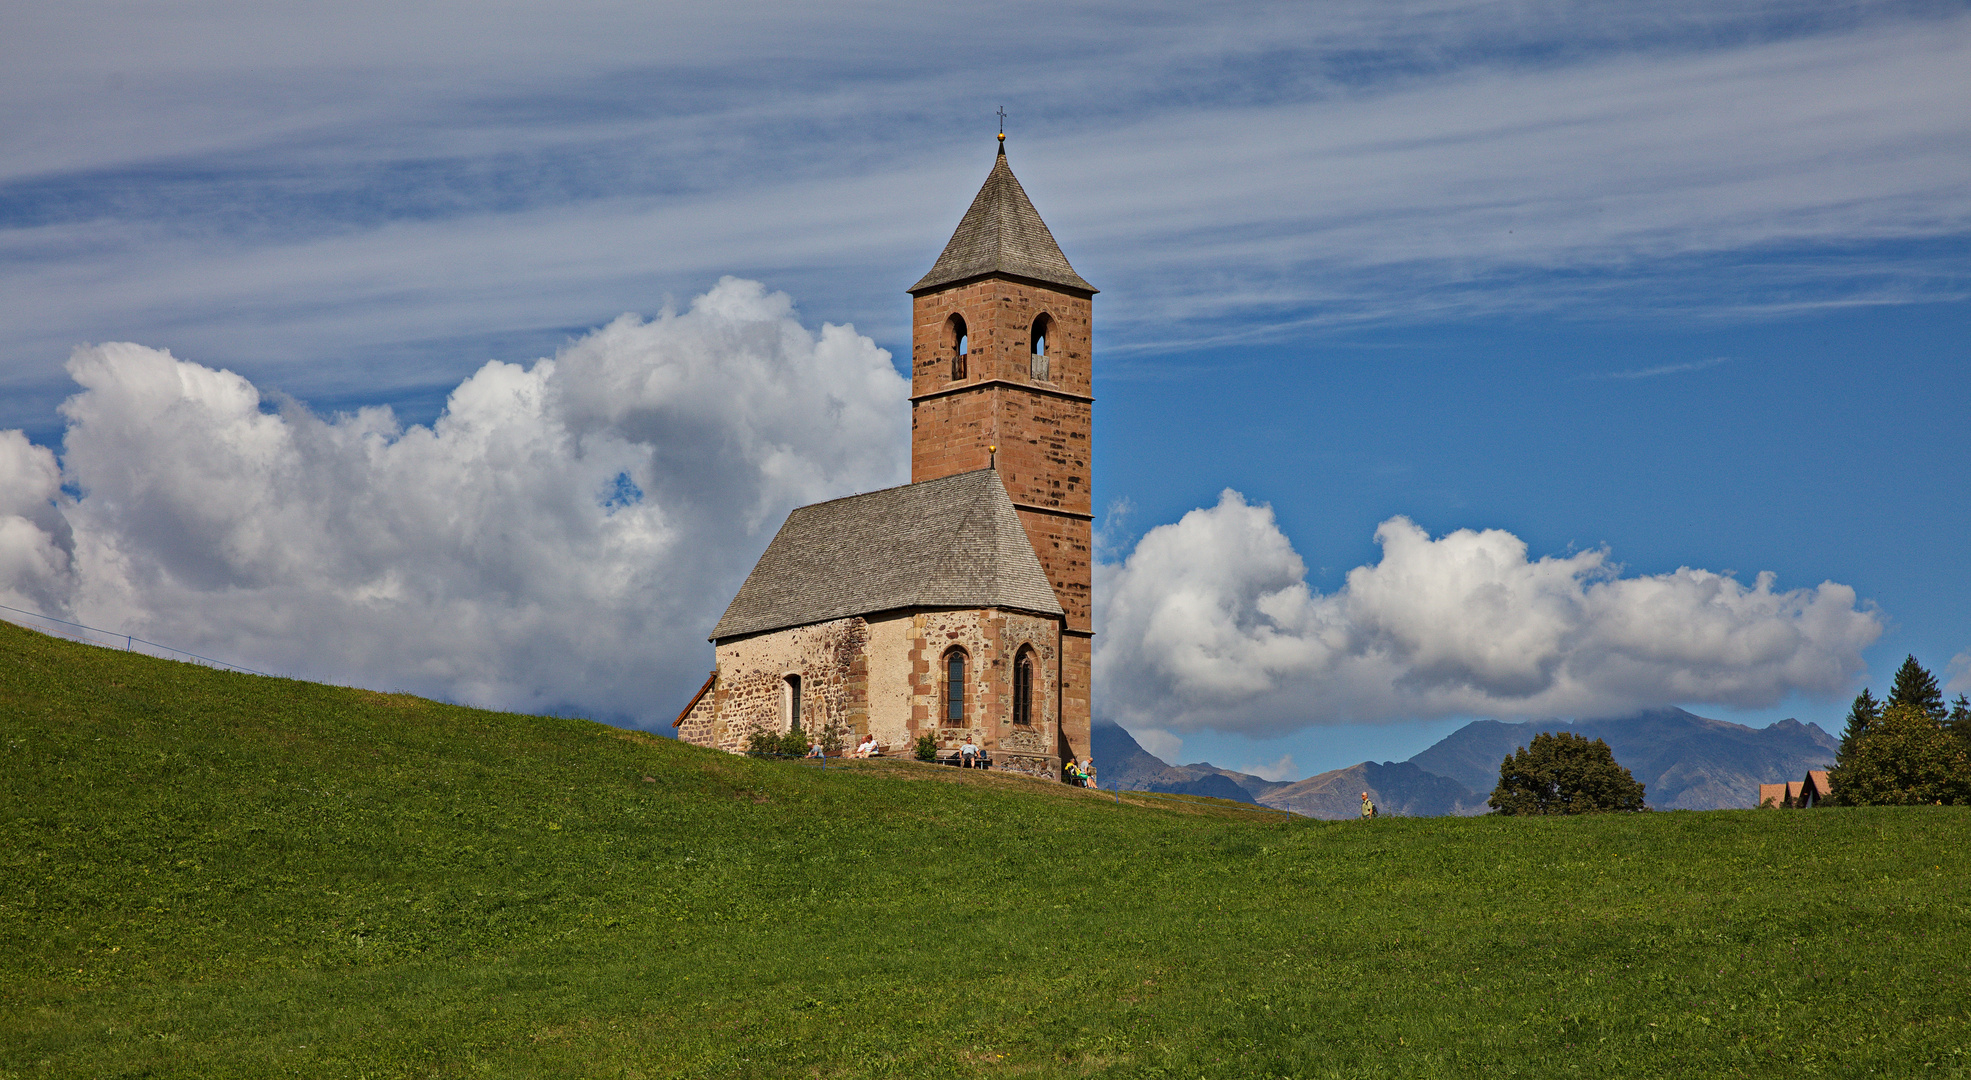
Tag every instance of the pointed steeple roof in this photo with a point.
(1002, 233)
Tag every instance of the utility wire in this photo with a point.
(129, 641)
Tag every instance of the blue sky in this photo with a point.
(1687, 283)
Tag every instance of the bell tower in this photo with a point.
(1000, 358)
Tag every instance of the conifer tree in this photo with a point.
(1903, 759)
(1958, 723)
(1862, 713)
(1916, 686)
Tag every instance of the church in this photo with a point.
(958, 605)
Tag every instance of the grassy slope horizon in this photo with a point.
(213, 874)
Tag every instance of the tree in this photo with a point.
(1564, 773)
(1861, 714)
(1916, 686)
(1905, 758)
(1958, 723)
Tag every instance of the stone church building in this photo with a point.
(958, 604)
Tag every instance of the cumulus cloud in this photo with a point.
(1210, 623)
(563, 535)
(1159, 742)
(1283, 769)
(1958, 674)
(35, 543)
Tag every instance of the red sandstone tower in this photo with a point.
(1000, 358)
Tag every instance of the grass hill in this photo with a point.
(218, 875)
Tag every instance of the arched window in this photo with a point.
(1023, 689)
(790, 701)
(954, 687)
(1037, 340)
(959, 344)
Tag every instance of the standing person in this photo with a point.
(969, 754)
(1368, 808)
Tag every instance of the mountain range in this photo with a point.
(1685, 762)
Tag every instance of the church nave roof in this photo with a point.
(954, 542)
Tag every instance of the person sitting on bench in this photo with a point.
(969, 753)
(868, 747)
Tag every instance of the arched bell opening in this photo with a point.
(958, 344)
(1037, 347)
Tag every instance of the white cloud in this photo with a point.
(1210, 623)
(1958, 674)
(1283, 769)
(563, 535)
(1241, 171)
(1661, 369)
(1159, 742)
(35, 543)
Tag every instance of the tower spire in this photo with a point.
(1001, 233)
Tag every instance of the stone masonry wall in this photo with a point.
(991, 640)
(1064, 546)
(891, 685)
(699, 726)
(886, 676)
(832, 662)
(1042, 428)
(999, 314)
(1043, 431)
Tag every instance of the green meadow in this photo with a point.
(208, 875)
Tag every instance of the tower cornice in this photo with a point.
(982, 384)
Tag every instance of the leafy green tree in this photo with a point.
(1564, 773)
(1905, 758)
(1861, 714)
(1916, 686)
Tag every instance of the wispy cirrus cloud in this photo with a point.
(369, 211)
(1659, 370)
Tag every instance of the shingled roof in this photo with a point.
(954, 542)
(1002, 234)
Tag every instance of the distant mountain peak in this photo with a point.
(1685, 761)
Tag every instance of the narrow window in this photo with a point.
(954, 687)
(790, 691)
(1023, 689)
(960, 345)
(1038, 340)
